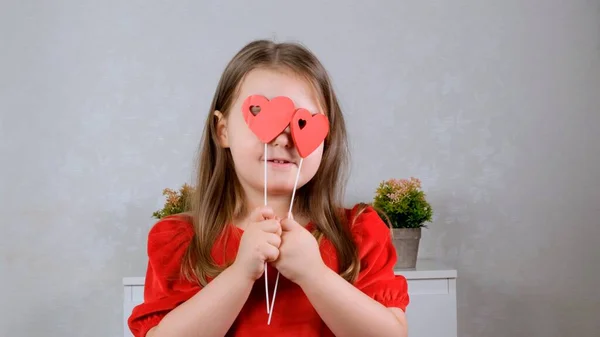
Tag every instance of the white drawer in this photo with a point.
(137, 294)
(428, 287)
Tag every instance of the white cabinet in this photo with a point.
(432, 308)
(134, 295)
(431, 312)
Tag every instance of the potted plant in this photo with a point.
(403, 203)
(177, 201)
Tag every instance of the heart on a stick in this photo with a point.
(308, 131)
(267, 118)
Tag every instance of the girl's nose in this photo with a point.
(284, 139)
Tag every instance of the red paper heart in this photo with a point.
(273, 117)
(308, 131)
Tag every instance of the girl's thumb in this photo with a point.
(287, 224)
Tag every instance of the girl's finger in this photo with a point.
(273, 239)
(262, 213)
(271, 226)
(289, 224)
(270, 252)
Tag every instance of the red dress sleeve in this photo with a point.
(164, 287)
(377, 259)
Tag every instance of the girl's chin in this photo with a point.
(279, 190)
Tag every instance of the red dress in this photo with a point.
(293, 314)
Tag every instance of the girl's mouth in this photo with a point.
(280, 163)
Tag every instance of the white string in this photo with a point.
(295, 186)
(273, 303)
(265, 174)
(266, 278)
(289, 216)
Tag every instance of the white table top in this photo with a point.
(426, 269)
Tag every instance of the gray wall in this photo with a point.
(494, 105)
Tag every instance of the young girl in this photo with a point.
(205, 273)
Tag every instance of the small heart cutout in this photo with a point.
(301, 124)
(308, 131)
(255, 109)
(271, 117)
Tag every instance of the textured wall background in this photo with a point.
(494, 105)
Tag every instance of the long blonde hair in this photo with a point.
(218, 196)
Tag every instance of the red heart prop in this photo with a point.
(308, 131)
(272, 117)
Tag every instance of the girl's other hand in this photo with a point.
(299, 255)
(259, 244)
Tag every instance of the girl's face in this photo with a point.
(248, 151)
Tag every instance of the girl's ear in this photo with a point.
(221, 129)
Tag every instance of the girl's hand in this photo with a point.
(299, 255)
(259, 244)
